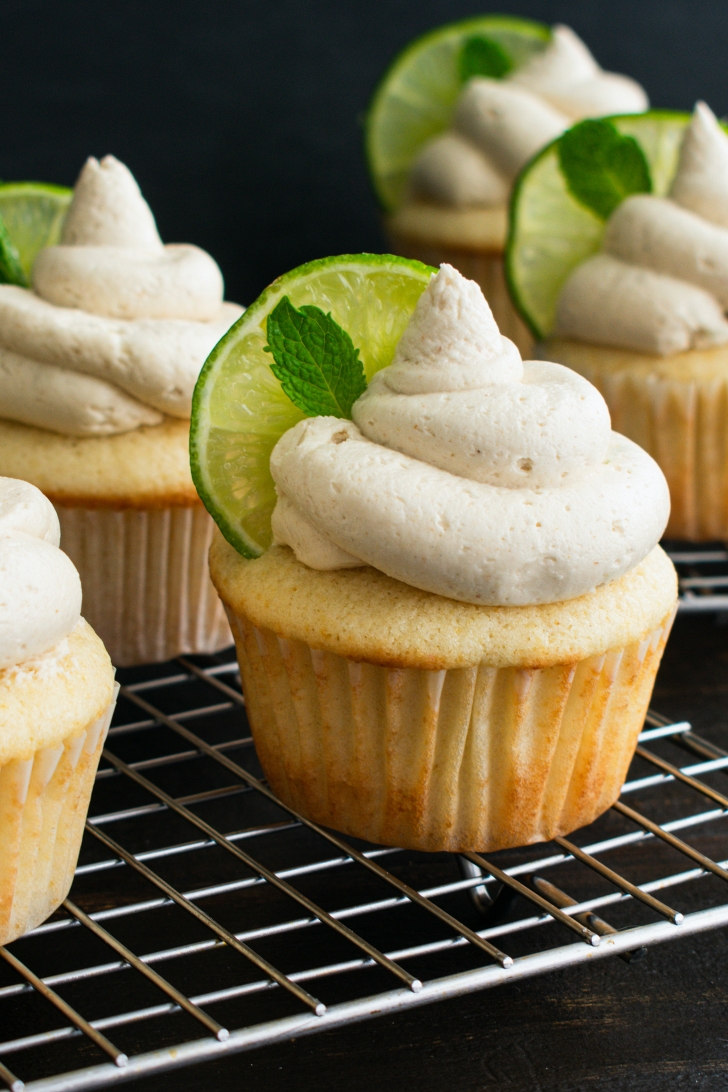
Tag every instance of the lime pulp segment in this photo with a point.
(551, 233)
(415, 99)
(33, 213)
(240, 411)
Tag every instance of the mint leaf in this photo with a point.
(480, 56)
(314, 359)
(11, 271)
(602, 167)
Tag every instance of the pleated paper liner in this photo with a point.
(146, 586)
(684, 426)
(43, 806)
(682, 423)
(477, 758)
(484, 267)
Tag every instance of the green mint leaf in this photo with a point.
(314, 359)
(481, 56)
(602, 167)
(11, 271)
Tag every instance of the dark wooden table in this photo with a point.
(659, 1024)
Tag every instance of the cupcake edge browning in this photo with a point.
(368, 617)
(75, 680)
(105, 471)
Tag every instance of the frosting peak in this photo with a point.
(492, 481)
(108, 209)
(117, 326)
(568, 77)
(660, 282)
(701, 180)
(111, 260)
(566, 59)
(452, 342)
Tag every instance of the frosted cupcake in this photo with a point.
(98, 362)
(453, 640)
(56, 699)
(644, 320)
(514, 87)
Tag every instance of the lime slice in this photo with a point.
(33, 213)
(416, 97)
(239, 409)
(551, 233)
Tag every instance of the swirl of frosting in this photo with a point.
(506, 123)
(40, 591)
(567, 76)
(498, 125)
(117, 326)
(660, 283)
(181, 282)
(469, 473)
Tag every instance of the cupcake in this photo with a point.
(98, 361)
(644, 320)
(506, 90)
(57, 695)
(452, 642)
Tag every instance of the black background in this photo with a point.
(241, 119)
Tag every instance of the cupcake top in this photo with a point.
(498, 125)
(660, 282)
(469, 473)
(40, 591)
(117, 325)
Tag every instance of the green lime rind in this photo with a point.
(414, 100)
(11, 271)
(33, 213)
(550, 232)
(239, 408)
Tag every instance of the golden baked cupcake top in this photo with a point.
(365, 615)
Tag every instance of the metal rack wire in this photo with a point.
(703, 576)
(207, 918)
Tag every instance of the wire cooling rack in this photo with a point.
(206, 918)
(703, 576)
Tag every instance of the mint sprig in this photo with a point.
(602, 167)
(315, 360)
(481, 56)
(11, 271)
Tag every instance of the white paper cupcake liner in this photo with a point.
(478, 758)
(43, 806)
(684, 427)
(146, 585)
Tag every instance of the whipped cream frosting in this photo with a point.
(469, 473)
(660, 283)
(114, 332)
(40, 591)
(498, 125)
(567, 76)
